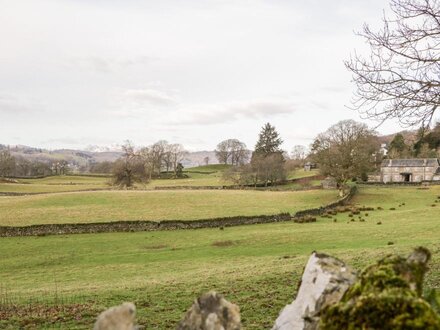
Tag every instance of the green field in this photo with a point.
(57, 184)
(210, 176)
(255, 266)
(103, 206)
(300, 173)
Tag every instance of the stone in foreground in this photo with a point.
(324, 282)
(388, 296)
(211, 312)
(120, 317)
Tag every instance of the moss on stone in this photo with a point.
(387, 295)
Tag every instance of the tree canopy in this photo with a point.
(345, 151)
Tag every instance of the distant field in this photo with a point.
(207, 168)
(257, 266)
(56, 184)
(81, 207)
(300, 173)
(210, 175)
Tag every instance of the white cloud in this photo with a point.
(149, 96)
(106, 65)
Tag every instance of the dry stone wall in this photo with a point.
(142, 225)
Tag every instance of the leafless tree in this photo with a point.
(177, 153)
(241, 175)
(206, 160)
(158, 153)
(401, 76)
(345, 151)
(162, 155)
(167, 157)
(232, 151)
(269, 168)
(299, 153)
(129, 168)
(7, 163)
(222, 152)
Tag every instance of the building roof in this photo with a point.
(416, 162)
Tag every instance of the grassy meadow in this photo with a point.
(209, 175)
(257, 266)
(104, 206)
(52, 184)
(300, 173)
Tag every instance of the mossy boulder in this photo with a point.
(386, 295)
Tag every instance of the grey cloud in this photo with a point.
(258, 109)
(320, 105)
(135, 103)
(208, 115)
(93, 63)
(14, 104)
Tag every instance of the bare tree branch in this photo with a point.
(401, 77)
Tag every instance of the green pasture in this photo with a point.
(207, 168)
(104, 206)
(209, 175)
(257, 267)
(60, 183)
(300, 173)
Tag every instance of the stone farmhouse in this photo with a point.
(409, 170)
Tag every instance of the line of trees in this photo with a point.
(267, 164)
(426, 145)
(145, 163)
(232, 151)
(13, 166)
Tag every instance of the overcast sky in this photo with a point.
(75, 73)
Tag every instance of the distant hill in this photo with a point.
(94, 155)
(410, 137)
(74, 157)
(197, 158)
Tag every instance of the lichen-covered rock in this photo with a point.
(211, 312)
(387, 295)
(324, 282)
(120, 317)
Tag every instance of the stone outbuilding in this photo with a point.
(309, 166)
(329, 183)
(410, 170)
